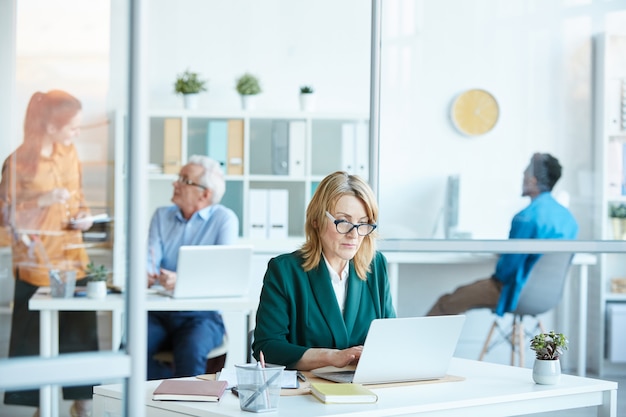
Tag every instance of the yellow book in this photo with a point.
(334, 393)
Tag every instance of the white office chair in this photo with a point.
(541, 293)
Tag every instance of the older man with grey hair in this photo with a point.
(196, 218)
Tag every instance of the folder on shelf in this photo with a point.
(217, 141)
(172, 138)
(258, 213)
(615, 168)
(362, 151)
(235, 147)
(280, 147)
(297, 137)
(278, 214)
(348, 143)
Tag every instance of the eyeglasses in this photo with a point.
(187, 181)
(344, 227)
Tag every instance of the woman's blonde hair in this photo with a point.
(328, 192)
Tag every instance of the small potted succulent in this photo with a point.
(189, 84)
(248, 86)
(97, 280)
(307, 98)
(617, 212)
(548, 348)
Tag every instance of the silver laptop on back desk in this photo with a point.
(206, 271)
(403, 349)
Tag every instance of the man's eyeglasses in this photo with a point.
(187, 181)
(345, 227)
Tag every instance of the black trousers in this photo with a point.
(78, 332)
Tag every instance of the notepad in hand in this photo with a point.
(189, 390)
(342, 393)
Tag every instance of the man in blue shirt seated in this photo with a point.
(544, 218)
(196, 218)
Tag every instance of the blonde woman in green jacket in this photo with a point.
(317, 303)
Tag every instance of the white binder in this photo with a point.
(278, 210)
(297, 136)
(258, 214)
(362, 151)
(348, 143)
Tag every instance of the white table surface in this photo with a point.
(488, 390)
(49, 317)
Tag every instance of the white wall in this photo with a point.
(287, 43)
(534, 57)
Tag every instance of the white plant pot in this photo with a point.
(191, 101)
(248, 101)
(547, 372)
(97, 289)
(307, 102)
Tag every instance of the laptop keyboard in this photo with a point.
(338, 376)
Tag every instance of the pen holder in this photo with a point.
(259, 388)
(62, 283)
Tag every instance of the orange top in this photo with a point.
(40, 238)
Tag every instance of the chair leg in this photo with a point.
(520, 342)
(540, 326)
(486, 345)
(513, 341)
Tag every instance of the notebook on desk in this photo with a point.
(212, 271)
(401, 350)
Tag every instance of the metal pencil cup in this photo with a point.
(259, 388)
(62, 283)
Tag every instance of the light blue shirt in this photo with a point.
(169, 230)
(544, 218)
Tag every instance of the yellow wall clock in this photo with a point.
(475, 112)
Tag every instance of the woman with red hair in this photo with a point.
(40, 199)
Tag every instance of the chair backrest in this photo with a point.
(544, 287)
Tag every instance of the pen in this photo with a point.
(301, 376)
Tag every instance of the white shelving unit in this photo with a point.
(328, 142)
(610, 108)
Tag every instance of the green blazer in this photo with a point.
(298, 310)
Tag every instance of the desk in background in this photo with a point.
(49, 328)
(488, 389)
(582, 260)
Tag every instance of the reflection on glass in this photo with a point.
(42, 203)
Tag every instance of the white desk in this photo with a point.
(488, 389)
(49, 323)
(582, 260)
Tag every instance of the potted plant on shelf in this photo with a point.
(248, 87)
(307, 98)
(189, 84)
(97, 281)
(617, 212)
(548, 348)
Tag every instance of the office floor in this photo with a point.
(18, 411)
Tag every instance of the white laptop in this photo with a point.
(403, 349)
(212, 271)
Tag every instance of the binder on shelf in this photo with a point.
(217, 141)
(614, 105)
(278, 214)
(280, 147)
(622, 172)
(297, 138)
(235, 147)
(258, 213)
(348, 144)
(172, 140)
(615, 168)
(362, 151)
